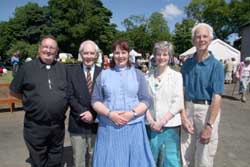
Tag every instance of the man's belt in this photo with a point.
(195, 101)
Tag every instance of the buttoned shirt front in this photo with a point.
(121, 89)
(202, 79)
(44, 90)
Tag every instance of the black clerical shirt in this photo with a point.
(44, 91)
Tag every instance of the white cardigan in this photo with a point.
(168, 97)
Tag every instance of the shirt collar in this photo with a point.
(117, 68)
(92, 68)
(206, 61)
(41, 64)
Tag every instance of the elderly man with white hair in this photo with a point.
(82, 128)
(203, 80)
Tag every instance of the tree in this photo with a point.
(182, 36)
(239, 13)
(225, 17)
(136, 33)
(26, 27)
(143, 33)
(77, 20)
(29, 23)
(26, 49)
(158, 28)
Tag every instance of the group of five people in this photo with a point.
(118, 100)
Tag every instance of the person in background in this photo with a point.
(82, 127)
(15, 63)
(243, 75)
(203, 80)
(234, 69)
(144, 69)
(106, 62)
(166, 89)
(121, 99)
(228, 71)
(41, 84)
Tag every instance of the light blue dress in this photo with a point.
(121, 146)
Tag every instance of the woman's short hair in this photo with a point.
(163, 46)
(207, 26)
(123, 45)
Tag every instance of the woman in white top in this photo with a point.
(165, 87)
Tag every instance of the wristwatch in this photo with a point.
(135, 114)
(210, 125)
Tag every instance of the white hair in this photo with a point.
(88, 42)
(98, 51)
(207, 26)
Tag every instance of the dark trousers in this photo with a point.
(45, 143)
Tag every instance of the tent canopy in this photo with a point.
(220, 49)
(134, 53)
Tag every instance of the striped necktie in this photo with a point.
(89, 80)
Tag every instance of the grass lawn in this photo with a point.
(6, 78)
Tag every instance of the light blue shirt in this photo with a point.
(121, 90)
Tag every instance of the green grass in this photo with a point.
(6, 78)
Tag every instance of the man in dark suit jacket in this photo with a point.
(82, 127)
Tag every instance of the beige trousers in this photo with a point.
(194, 153)
(82, 146)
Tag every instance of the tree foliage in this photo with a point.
(182, 36)
(143, 32)
(225, 17)
(77, 20)
(70, 21)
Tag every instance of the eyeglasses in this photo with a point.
(49, 47)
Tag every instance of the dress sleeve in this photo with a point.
(143, 93)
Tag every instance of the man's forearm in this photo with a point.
(214, 108)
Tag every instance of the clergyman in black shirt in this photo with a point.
(41, 84)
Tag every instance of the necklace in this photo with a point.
(157, 80)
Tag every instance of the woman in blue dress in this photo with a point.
(121, 98)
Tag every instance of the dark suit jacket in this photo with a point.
(79, 99)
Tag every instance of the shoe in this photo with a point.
(243, 98)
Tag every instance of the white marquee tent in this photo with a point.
(134, 53)
(220, 49)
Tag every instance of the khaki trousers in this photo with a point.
(195, 154)
(82, 146)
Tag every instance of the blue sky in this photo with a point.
(173, 10)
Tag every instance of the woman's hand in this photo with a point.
(127, 115)
(157, 126)
(117, 118)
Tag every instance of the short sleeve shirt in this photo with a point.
(44, 90)
(202, 79)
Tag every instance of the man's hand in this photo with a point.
(86, 117)
(205, 135)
